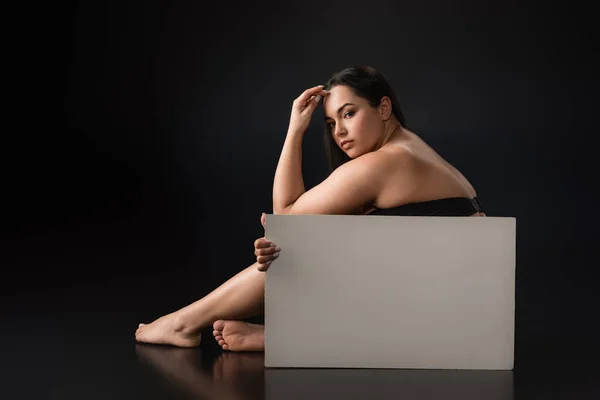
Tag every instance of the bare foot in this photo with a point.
(167, 330)
(239, 335)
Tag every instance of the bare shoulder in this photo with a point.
(384, 160)
(393, 172)
(378, 169)
(398, 162)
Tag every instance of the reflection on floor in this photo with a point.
(242, 376)
(232, 376)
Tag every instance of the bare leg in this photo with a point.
(242, 296)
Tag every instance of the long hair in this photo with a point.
(365, 82)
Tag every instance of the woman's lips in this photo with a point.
(347, 144)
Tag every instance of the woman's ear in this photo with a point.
(385, 108)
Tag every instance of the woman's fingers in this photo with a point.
(263, 243)
(264, 255)
(263, 267)
(264, 246)
(266, 251)
(310, 93)
(267, 258)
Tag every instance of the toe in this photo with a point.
(221, 342)
(140, 325)
(225, 347)
(219, 337)
(219, 325)
(217, 333)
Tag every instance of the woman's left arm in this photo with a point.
(347, 189)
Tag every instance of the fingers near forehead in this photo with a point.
(308, 93)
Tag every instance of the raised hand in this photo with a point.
(303, 108)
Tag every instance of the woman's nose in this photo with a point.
(339, 131)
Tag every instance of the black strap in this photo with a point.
(477, 204)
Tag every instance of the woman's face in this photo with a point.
(355, 126)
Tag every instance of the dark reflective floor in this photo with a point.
(70, 356)
(242, 376)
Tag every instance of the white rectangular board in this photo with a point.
(391, 292)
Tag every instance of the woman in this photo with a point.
(378, 166)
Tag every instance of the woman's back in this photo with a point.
(431, 177)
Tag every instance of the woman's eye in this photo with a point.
(351, 113)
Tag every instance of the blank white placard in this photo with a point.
(391, 292)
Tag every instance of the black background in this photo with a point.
(141, 140)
